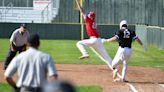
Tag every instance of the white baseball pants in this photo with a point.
(124, 55)
(97, 46)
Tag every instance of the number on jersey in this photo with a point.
(126, 34)
(94, 26)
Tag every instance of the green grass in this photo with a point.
(89, 89)
(6, 88)
(66, 52)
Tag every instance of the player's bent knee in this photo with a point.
(79, 43)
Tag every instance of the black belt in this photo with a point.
(125, 47)
(21, 46)
(31, 89)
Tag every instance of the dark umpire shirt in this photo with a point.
(125, 37)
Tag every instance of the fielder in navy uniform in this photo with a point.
(18, 43)
(124, 37)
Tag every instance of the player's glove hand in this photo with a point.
(24, 47)
(16, 89)
(13, 47)
(144, 47)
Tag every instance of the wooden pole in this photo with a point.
(81, 21)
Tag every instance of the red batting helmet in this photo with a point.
(92, 14)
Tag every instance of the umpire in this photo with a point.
(18, 42)
(33, 68)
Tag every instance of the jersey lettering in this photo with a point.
(94, 25)
(126, 34)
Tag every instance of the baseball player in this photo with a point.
(94, 41)
(33, 67)
(124, 37)
(18, 43)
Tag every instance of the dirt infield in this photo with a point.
(140, 79)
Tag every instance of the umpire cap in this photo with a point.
(33, 40)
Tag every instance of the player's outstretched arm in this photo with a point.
(114, 38)
(139, 41)
(80, 8)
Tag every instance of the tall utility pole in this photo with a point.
(81, 22)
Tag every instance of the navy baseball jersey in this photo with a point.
(125, 37)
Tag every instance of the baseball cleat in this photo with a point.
(117, 80)
(115, 71)
(83, 57)
(125, 81)
(4, 68)
(120, 80)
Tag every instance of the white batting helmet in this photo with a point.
(122, 23)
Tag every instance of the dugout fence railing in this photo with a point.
(5, 10)
(50, 12)
(46, 13)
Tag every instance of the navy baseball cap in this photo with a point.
(33, 40)
(23, 25)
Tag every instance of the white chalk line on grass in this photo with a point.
(162, 85)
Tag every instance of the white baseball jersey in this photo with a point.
(32, 67)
